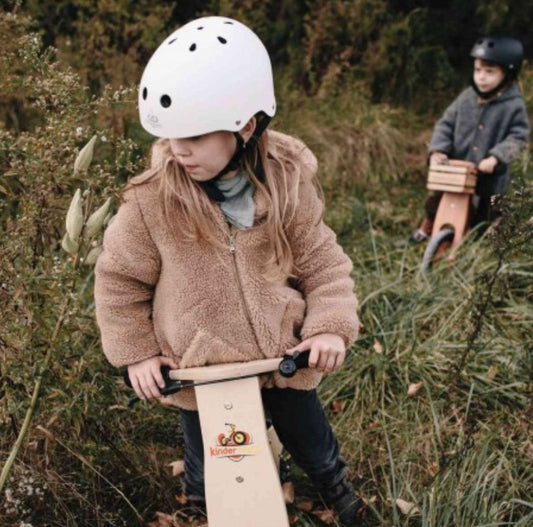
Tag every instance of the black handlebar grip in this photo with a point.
(291, 363)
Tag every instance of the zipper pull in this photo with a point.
(232, 246)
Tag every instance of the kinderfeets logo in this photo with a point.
(234, 444)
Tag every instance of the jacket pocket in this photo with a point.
(292, 322)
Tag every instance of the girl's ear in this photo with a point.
(249, 128)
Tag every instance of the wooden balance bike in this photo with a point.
(457, 180)
(242, 484)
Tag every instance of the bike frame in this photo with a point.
(457, 180)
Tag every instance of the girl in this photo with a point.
(219, 253)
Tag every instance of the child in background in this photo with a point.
(219, 253)
(486, 124)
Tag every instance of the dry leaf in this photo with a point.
(181, 498)
(530, 450)
(305, 505)
(288, 491)
(413, 388)
(118, 407)
(178, 467)
(378, 347)
(337, 407)
(433, 469)
(326, 516)
(406, 507)
(293, 520)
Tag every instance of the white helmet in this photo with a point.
(211, 74)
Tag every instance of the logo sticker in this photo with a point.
(234, 444)
(153, 120)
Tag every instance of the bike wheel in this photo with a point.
(435, 247)
(239, 437)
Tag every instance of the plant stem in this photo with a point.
(51, 436)
(34, 398)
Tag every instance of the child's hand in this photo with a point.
(146, 378)
(438, 158)
(488, 165)
(327, 351)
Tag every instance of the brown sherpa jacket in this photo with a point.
(202, 304)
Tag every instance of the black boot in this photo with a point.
(343, 499)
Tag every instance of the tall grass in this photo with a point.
(459, 449)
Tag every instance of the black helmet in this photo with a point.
(505, 51)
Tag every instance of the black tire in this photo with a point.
(239, 438)
(443, 236)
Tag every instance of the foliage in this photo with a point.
(48, 336)
(104, 41)
(433, 407)
(404, 50)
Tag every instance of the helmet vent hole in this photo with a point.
(228, 22)
(193, 47)
(145, 93)
(491, 44)
(166, 101)
(172, 41)
(200, 27)
(237, 123)
(222, 40)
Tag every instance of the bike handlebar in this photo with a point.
(286, 366)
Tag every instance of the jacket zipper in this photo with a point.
(233, 250)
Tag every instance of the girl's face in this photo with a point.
(204, 156)
(487, 75)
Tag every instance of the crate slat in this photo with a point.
(451, 188)
(445, 178)
(451, 169)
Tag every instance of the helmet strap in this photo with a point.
(235, 162)
(494, 91)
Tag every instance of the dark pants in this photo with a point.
(302, 426)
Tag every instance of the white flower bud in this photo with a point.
(84, 158)
(74, 219)
(93, 255)
(68, 245)
(110, 218)
(96, 220)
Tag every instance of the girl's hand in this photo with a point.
(327, 351)
(438, 158)
(488, 165)
(146, 378)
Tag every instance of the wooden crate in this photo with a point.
(458, 176)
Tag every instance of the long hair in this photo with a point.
(189, 212)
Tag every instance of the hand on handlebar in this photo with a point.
(438, 158)
(327, 351)
(146, 377)
(487, 165)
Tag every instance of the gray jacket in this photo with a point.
(472, 130)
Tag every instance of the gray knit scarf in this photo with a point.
(239, 205)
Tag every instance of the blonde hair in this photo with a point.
(191, 213)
